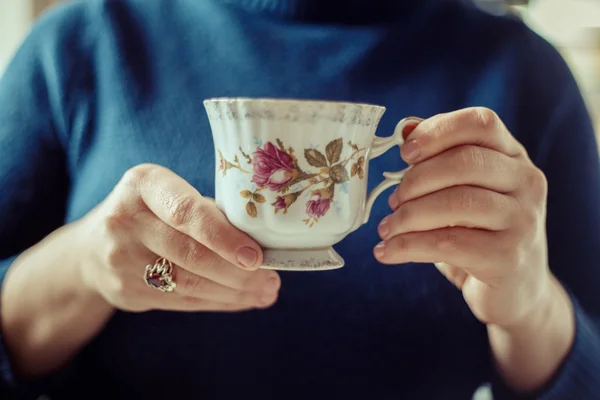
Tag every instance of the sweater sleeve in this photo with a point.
(34, 177)
(568, 154)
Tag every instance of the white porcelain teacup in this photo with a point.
(292, 174)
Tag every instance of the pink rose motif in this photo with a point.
(284, 202)
(317, 206)
(280, 204)
(273, 168)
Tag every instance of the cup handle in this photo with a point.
(380, 146)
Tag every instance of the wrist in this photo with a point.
(529, 352)
(552, 304)
(86, 284)
(44, 329)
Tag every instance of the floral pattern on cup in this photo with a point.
(275, 169)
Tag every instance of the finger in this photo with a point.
(191, 285)
(479, 253)
(455, 275)
(463, 165)
(129, 284)
(466, 206)
(198, 263)
(138, 296)
(178, 204)
(475, 126)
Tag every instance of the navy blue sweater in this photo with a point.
(100, 86)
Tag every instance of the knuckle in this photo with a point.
(444, 123)
(485, 118)
(513, 219)
(527, 220)
(276, 279)
(403, 214)
(470, 158)
(513, 261)
(212, 231)
(460, 200)
(447, 240)
(193, 254)
(393, 196)
(136, 174)
(399, 243)
(407, 185)
(456, 274)
(182, 210)
(115, 256)
(194, 284)
(508, 205)
(116, 220)
(509, 253)
(538, 182)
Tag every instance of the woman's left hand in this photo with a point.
(474, 204)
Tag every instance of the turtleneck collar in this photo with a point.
(341, 11)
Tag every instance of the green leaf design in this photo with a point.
(246, 194)
(338, 174)
(334, 150)
(315, 158)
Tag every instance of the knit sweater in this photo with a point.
(100, 86)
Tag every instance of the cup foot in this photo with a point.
(302, 259)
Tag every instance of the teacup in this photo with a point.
(292, 174)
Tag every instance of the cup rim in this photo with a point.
(273, 100)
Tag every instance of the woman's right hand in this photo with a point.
(154, 213)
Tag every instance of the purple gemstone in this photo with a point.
(155, 281)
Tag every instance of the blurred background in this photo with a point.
(573, 26)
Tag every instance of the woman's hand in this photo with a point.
(474, 204)
(85, 270)
(153, 213)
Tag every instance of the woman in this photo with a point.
(106, 165)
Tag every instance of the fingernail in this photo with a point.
(380, 250)
(394, 201)
(247, 256)
(272, 286)
(408, 130)
(384, 229)
(410, 151)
